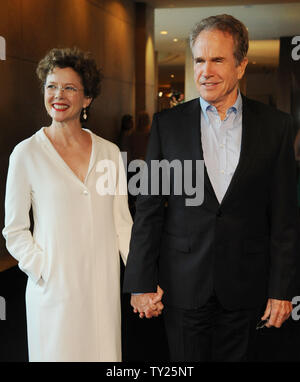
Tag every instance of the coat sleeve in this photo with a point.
(284, 219)
(19, 240)
(122, 216)
(141, 272)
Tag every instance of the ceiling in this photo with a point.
(266, 21)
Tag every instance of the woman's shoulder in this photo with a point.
(105, 144)
(26, 146)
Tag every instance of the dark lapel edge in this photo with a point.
(250, 123)
(192, 118)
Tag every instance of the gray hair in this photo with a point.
(227, 24)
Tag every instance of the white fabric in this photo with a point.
(72, 259)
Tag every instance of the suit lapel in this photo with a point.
(249, 140)
(192, 122)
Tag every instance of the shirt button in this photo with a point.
(85, 192)
(222, 172)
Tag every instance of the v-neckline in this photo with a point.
(64, 163)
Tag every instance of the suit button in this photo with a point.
(219, 214)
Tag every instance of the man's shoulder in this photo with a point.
(264, 109)
(271, 122)
(182, 108)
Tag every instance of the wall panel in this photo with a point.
(32, 27)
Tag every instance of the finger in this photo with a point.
(152, 313)
(267, 311)
(280, 320)
(160, 291)
(274, 318)
(152, 305)
(156, 298)
(142, 315)
(160, 306)
(156, 313)
(149, 313)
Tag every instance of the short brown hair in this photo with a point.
(81, 62)
(227, 24)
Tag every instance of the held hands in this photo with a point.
(148, 304)
(277, 311)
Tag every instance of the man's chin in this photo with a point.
(210, 98)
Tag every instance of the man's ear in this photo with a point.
(242, 67)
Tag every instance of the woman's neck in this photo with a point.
(65, 133)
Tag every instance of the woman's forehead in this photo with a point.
(66, 75)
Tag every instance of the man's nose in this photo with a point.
(207, 70)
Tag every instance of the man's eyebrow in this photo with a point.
(217, 58)
(198, 59)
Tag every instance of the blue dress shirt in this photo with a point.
(221, 143)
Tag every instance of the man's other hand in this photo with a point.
(277, 311)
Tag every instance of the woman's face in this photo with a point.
(64, 95)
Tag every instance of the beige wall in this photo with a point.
(190, 90)
(31, 27)
(151, 90)
(145, 60)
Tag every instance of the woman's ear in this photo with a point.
(87, 101)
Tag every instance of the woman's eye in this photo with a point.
(70, 88)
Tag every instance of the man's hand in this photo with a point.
(277, 311)
(148, 304)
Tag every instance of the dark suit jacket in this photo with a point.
(243, 248)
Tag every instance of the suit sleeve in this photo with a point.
(141, 273)
(284, 220)
(19, 240)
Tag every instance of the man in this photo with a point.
(218, 262)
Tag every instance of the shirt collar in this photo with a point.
(236, 108)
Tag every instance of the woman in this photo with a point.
(72, 257)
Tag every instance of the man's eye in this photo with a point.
(199, 61)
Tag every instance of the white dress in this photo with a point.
(72, 258)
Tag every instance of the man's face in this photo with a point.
(216, 72)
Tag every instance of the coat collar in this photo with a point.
(249, 138)
(250, 123)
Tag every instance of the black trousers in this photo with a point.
(210, 333)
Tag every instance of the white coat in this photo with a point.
(72, 257)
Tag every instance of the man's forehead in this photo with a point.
(214, 34)
(216, 43)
